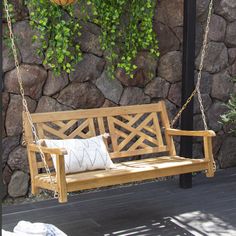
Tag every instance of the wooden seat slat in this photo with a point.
(148, 168)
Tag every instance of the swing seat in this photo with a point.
(139, 130)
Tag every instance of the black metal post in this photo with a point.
(186, 143)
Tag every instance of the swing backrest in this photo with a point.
(134, 130)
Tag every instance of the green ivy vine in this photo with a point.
(229, 117)
(58, 30)
(6, 38)
(126, 29)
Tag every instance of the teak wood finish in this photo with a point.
(134, 131)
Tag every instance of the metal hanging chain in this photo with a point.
(24, 103)
(199, 76)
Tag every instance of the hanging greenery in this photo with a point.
(230, 117)
(58, 30)
(6, 38)
(126, 29)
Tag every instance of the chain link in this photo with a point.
(24, 102)
(199, 76)
(25, 107)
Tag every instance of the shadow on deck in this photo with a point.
(156, 208)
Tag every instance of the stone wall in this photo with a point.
(89, 87)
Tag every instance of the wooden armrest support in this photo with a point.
(207, 141)
(46, 150)
(198, 133)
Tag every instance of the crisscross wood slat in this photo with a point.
(54, 131)
(66, 126)
(78, 131)
(137, 131)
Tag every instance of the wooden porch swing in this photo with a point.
(134, 130)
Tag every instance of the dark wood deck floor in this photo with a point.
(157, 208)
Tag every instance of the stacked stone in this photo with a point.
(219, 69)
(89, 87)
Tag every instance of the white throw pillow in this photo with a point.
(83, 154)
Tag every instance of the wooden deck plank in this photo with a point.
(154, 208)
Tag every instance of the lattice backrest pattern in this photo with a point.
(67, 129)
(135, 134)
(134, 130)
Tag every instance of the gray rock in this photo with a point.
(228, 128)
(4, 191)
(202, 8)
(127, 81)
(206, 100)
(175, 93)
(227, 153)
(198, 122)
(89, 39)
(33, 78)
(213, 115)
(6, 174)
(90, 68)
(179, 33)
(163, 33)
(233, 69)
(8, 62)
(198, 37)
(134, 95)
(177, 147)
(226, 8)
(18, 159)
(216, 58)
(19, 184)
(4, 134)
(170, 66)
(217, 28)
(111, 88)
(147, 66)
(157, 88)
(146, 70)
(171, 110)
(55, 83)
(197, 150)
(48, 104)
(14, 114)
(206, 82)
(222, 86)
(5, 101)
(85, 95)
(217, 142)
(8, 144)
(230, 38)
(108, 103)
(27, 47)
(170, 12)
(232, 55)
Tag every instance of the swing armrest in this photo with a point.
(198, 133)
(46, 150)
